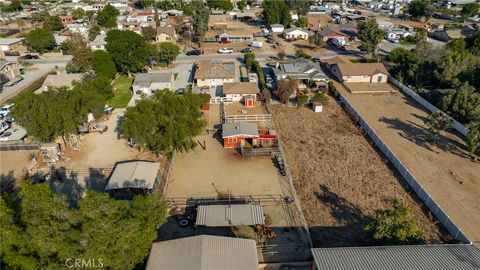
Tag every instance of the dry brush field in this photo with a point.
(340, 177)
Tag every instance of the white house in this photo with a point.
(277, 28)
(98, 43)
(237, 90)
(295, 33)
(148, 83)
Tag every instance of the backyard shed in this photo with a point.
(204, 252)
(229, 215)
(418, 257)
(139, 175)
(235, 134)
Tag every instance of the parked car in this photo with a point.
(5, 110)
(394, 40)
(194, 52)
(15, 134)
(270, 40)
(29, 57)
(225, 50)
(246, 50)
(256, 44)
(4, 126)
(92, 128)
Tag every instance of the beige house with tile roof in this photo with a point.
(212, 74)
(237, 90)
(166, 33)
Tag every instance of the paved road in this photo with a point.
(34, 73)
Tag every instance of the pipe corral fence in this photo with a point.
(444, 219)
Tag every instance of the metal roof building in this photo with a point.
(204, 252)
(134, 174)
(234, 129)
(229, 215)
(420, 257)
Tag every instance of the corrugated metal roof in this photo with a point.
(204, 252)
(229, 215)
(135, 174)
(421, 257)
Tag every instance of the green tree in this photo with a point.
(302, 22)
(406, 64)
(129, 51)
(40, 16)
(99, 85)
(103, 64)
(300, 6)
(45, 118)
(395, 226)
(188, 9)
(420, 9)
(82, 57)
(286, 88)
(165, 123)
(456, 62)
(316, 40)
(168, 52)
(200, 22)
(149, 33)
(302, 100)
(473, 138)
(470, 10)
(241, 5)
(146, 3)
(220, 4)
(40, 40)
(53, 23)
(107, 17)
(94, 32)
(249, 59)
(78, 13)
(462, 103)
(437, 122)
(40, 230)
(276, 12)
(320, 97)
(370, 35)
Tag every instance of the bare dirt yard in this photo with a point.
(444, 168)
(340, 177)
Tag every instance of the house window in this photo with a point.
(366, 76)
(168, 38)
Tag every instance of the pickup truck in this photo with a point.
(225, 50)
(92, 128)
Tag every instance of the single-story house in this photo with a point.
(9, 73)
(411, 257)
(237, 91)
(226, 215)
(59, 80)
(327, 33)
(138, 177)
(277, 28)
(227, 36)
(237, 134)
(300, 69)
(360, 72)
(148, 83)
(166, 33)
(212, 74)
(245, 15)
(98, 43)
(296, 33)
(204, 252)
(11, 44)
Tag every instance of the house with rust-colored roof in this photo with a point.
(360, 72)
(212, 74)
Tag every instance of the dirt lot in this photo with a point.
(444, 169)
(340, 178)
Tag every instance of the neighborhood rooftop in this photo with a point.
(145, 79)
(204, 252)
(211, 70)
(358, 69)
(420, 257)
(240, 88)
(234, 129)
(134, 174)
